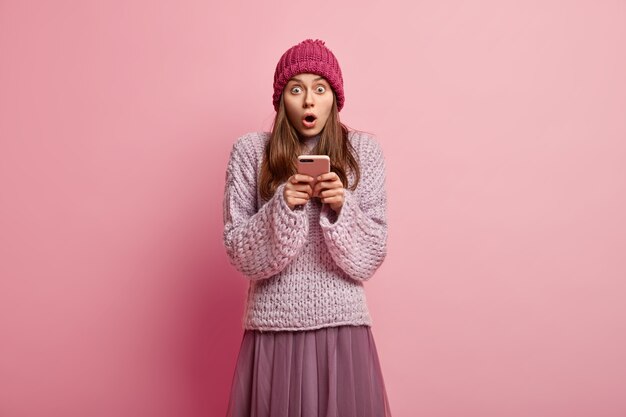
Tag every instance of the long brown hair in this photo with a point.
(283, 147)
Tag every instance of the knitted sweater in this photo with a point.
(306, 266)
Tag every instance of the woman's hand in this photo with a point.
(329, 189)
(298, 190)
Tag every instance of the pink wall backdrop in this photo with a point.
(504, 129)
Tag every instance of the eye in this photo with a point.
(295, 88)
(323, 89)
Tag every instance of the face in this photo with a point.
(308, 100)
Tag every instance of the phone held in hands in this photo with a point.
(313, 165)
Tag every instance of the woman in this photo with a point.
(306, 245)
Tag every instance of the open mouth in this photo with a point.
(309, 121)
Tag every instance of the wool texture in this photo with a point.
(309, 56)
(306, 267)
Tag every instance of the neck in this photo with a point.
(308, 143)
(309, 138)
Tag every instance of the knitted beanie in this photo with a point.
(310, 56)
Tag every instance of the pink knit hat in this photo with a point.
(310, 56)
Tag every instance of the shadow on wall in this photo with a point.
(209, 320)
(221, 332)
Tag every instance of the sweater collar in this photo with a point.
(310, 141)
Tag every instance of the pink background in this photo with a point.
(504, 130)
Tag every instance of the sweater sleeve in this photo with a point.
(357, 237)
(259, 243)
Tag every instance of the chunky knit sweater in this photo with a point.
(306, 266)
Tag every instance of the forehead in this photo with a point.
(306, 77)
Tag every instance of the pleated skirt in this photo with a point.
(328, 372)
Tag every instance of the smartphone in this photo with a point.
(313, 165)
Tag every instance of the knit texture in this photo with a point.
(306, 266)
(309, 56)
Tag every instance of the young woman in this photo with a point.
(306, 245)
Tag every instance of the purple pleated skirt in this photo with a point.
(329, 372)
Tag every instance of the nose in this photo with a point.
(309, 99)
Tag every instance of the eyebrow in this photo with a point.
(299, 80)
